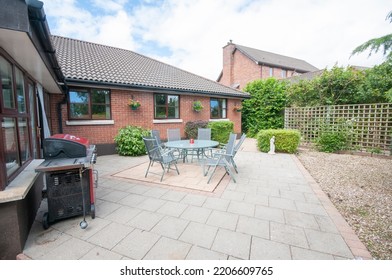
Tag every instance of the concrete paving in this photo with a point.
(274, 211)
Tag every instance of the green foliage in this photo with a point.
(197, 106)
(192, 127)
(333, 138)
(265, 108)
(375, 44)
(286, 140)
(129, 141)
(220, 130)
(377, 85)
(344, 86)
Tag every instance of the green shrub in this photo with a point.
(191, 128)
(286, 140)
(336, 137)
(129, 141)
(220, 130)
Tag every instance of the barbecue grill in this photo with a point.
(70, 177)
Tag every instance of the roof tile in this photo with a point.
(92, 62)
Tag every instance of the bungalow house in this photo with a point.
(242, 65)
(101, 81)
(51, 84)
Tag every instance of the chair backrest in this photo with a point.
(152, 148)
(238, 146)
(173, 134)
(230, 146)
(204, 134)
(155, 134)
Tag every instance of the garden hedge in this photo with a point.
(286, 140)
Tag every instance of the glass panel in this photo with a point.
(171, 114)
(99, 112)
(24, 141)
(20, 91)
(79, 111)
(214, 105)
(160, 99)
(100, 96)
(8, 129)
(223, 108)
(78, 97)
(173, 100)
(6, 83)
(160, 112)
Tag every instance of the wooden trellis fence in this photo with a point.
(370, 124)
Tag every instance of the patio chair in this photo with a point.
(155, 134)
(156, 154)
(223, 159)
(202, 134)
(174, 134)
(236, 148)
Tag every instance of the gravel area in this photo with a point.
(360, 187)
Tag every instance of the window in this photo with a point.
(15, 141)
(7, 87)
(166, 106)
(271, 74)
(89, 104)
(284, 73)
(218, 108)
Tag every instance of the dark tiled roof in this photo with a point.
(95, 63)
(268, 58)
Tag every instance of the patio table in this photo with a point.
(187, 145)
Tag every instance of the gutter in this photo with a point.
(78, 82)
(37, 18)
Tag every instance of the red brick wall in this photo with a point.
(240, 69)
(143, 116)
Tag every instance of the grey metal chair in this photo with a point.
(156, 154)
(202, 134)
(223, 159)
(156, 134)
(174, 134)
(236, 148)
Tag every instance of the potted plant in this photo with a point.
(237, 108)
(197, 106)
(134, 104)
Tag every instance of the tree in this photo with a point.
(375, 44)
(265, 108)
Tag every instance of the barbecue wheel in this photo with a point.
(92, 211)
(45, 220)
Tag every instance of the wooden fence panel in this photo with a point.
(371, 124)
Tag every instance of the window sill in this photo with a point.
(20, 186)
(218, 120)
(168, 121)
(90, 122)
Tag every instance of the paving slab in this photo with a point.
(275, 211)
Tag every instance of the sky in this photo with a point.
(190, 34)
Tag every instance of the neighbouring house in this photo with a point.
(101, 80)
(242, 65)
(29, 73)
(51, 84)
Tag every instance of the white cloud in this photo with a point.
(321, 32)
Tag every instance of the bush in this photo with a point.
(220, 130)
(129, 141)
(286, 140)
(331, 141)
(265, 108)
(192, 127)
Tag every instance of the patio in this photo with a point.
(274, 211)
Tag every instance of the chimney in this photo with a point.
(228, 60)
